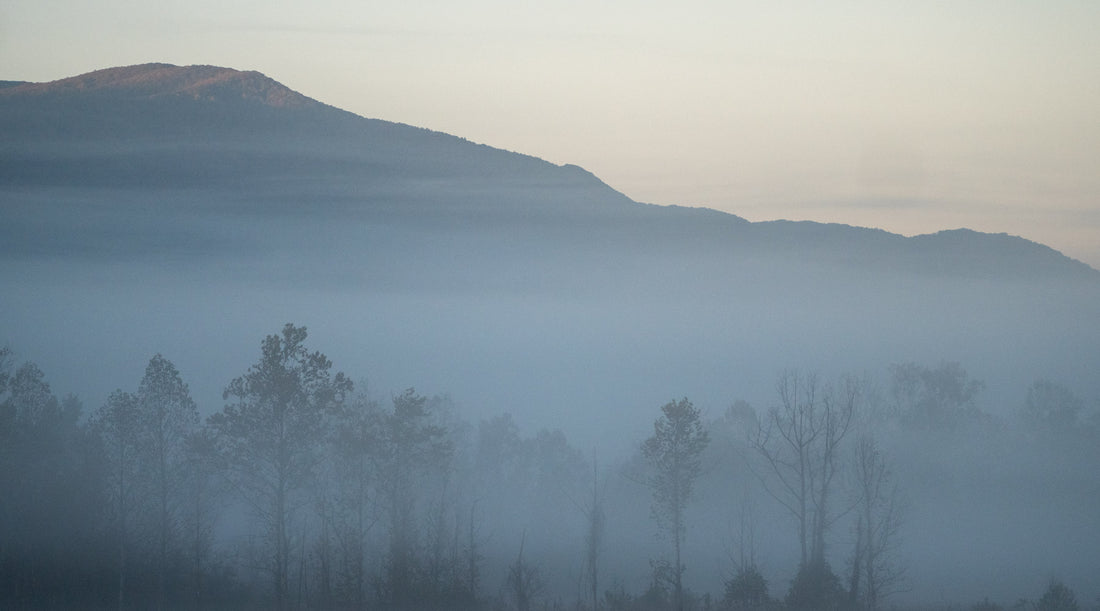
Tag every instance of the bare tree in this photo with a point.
(467, 565)
(799, 442)
(272, 435)
(595, 519)
(674, 451)
(593, 539)
(875, 571)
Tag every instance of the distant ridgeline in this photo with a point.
(192, 210)
(249, 141)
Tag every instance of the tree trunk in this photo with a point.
(857, 565)
(122, 531)
(678, 570)
(197, 552)
(122, 563)
(162, 567)
(281, 552)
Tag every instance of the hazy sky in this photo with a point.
(910, 116)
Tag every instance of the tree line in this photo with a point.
(302, 493)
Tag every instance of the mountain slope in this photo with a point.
(137, 202)
(163, 127)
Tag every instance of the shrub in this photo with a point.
(1058, 597)
(747, 590)
(816, 587)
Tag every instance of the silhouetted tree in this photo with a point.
(355, 443)
(595, 520)
(800, 442)
(118, 422)
(410, 446)
(674, 453)
(167, 417)
(272, 435)
(875, 571)
(933, 399)
(204, 495)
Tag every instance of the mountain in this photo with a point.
(191, 210)
(160, 126)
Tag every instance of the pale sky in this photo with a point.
(909, 116)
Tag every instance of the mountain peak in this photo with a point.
(149, 81)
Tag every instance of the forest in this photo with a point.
(890, 489)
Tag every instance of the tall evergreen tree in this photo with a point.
(272, 434)
(355, 445)
(204, 495)
(168, 417)
(118, 423)
(410, 445)
(674, 451)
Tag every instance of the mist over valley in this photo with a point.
(543, 319)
